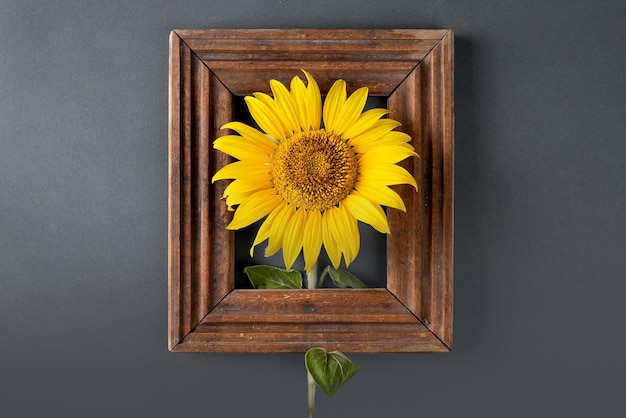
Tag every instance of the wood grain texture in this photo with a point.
(208, 68)
(174, 242)
(348, 320)
(200, 247)
(420, 247)
(378, 58)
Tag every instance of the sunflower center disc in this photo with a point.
(314, 169)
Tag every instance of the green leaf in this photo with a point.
(323, 275)
(269, 277)
(330, 370)
(343, 278)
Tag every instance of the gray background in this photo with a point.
(540, 205)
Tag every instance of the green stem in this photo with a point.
(311, 283)
(312, 387)
(311, 277)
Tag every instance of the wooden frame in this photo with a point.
(208, 68)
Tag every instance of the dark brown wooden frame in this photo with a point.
(208, 68)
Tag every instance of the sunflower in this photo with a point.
(313, 182)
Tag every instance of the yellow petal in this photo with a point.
(312, 242)
(350, 111)
(364, 122)
(241, 149)
(267, 227)
(251, 133)
(241, 192)
(392, 138)
(293, 238)
(379, 129)
(381, 195)
(334, 102)
(386, 154)
(279, 226)
(329, 237)
(271, 104)
(298, 92)
(367, 212)
(235, 199)
(254, 208)
(286, 106)
(265, 116)
(349, 239)
(314, 102)
(242, 169)
(247, 186)
(388, 175)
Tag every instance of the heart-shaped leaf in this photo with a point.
(270, 277)
(343, 278)
(330, 370)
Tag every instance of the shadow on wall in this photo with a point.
(468, 274)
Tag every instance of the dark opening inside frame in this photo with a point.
(208, 69)
(371, 264)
